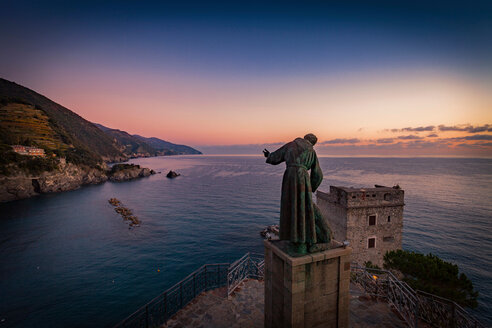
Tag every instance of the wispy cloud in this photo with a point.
(474, 137)
(341, 141)
(385, 140)
(417, 129)
(432, 135)
(467, 128)
(410, 137)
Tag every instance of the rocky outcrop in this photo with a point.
(128, 172)
(171, 174)
(67, 177)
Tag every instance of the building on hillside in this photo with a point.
(371, 219)
(29, 151)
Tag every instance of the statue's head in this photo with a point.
(311, 138)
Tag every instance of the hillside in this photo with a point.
(30, 119)
(85, 138)
(129, 145)
(24, 124)
(135, 145)
(163, 145)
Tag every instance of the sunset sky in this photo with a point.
(234, 77)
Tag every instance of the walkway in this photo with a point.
(245, 309)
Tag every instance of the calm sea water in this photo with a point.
(69, 260)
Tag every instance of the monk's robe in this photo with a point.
(297, 213)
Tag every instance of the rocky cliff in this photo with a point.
(129, 173)
(66, 177)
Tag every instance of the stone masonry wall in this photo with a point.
(388, 234)
(348, 210)
(336, 214)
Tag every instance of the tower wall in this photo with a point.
(371, 219)
(336, 213)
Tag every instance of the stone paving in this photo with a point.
(244, 309)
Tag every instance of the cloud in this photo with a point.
(340, 141)
(432, 135)
(417, 129)
(385, 140)
(467, 128)
(478, 137)
(474, 137)
(239, 149)
(410, 137)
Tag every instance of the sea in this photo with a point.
(69, 260)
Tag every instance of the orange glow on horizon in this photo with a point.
(201, 112)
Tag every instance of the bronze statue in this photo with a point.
(301, 221)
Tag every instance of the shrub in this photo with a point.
(431, 274)
(119, 167)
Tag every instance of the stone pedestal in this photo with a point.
(306, 291)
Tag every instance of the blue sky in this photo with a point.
(239, 72)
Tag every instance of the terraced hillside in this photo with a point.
(80, 133)
(26, 125)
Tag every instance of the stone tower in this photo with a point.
(371, 219)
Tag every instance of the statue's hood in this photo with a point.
(303, 143)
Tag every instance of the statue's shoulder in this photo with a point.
(301, 142)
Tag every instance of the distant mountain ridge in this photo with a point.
(137, 146)
(29, 117)
(160, 144)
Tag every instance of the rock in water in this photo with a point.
(172, 174)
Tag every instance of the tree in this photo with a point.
(431, 274)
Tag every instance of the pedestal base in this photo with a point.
(306, 291)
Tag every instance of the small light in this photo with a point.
(346, 243)
(375, 277)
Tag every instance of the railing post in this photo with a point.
(165, 306)
(146, 316)
(194, 285)
(453, 315)
(388, 282)
(218, 275)
(249, 265)
(416, 312)
(181, 295)
(377, 288)
(206, 279)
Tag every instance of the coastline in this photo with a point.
(67, 177)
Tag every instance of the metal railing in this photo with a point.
(251, 265)
(156, 312)
(442, 312)
(413, 306)
(209, 276)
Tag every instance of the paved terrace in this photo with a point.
(245, 309)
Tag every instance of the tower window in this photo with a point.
(372, 220)
(388, 239)
(371, 243)
(387, 197)
(389, 218)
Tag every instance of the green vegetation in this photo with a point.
(370, 265)
(11, 163)
(431, 274)
(68, 127)
(120, 167)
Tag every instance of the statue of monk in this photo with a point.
(301, 221)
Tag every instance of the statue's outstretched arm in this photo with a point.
(277, 156)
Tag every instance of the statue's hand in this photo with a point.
(266, 152)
